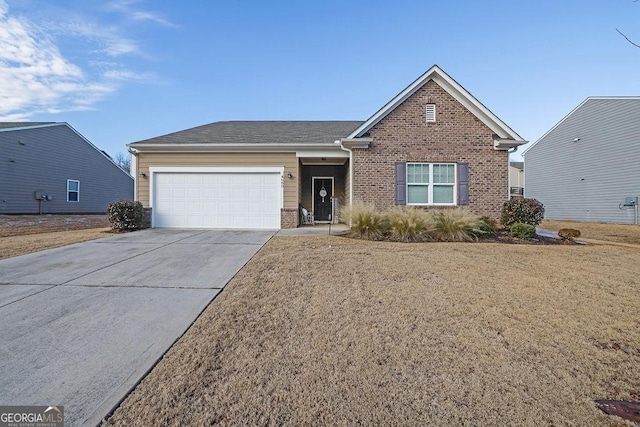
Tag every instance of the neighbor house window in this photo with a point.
(73, 190)
(431, 183)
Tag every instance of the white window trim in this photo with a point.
(73, 191)
(430, 184)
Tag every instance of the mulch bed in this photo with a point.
(504, 237)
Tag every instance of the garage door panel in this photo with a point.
(217, 200)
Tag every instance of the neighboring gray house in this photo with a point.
(585, 167)
(51, 168)
(516, 179)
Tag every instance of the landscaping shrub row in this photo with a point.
(414, 225)
(408, 224)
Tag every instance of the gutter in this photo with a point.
(230, 147)
(506, 144)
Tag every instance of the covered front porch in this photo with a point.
(323, 189)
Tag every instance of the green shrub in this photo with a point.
(126, 215)
(456, 225)
(484, 229)
(523, 231)
(520, 210)
(407, 225)
(366, 222)
(491, 222)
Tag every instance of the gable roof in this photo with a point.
(23, 126)
(588, 100)
(257, 132)
(454, 89)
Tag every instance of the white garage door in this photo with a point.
(217, 199)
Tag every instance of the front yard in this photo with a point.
(335, 331)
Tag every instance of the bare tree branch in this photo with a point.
(123, 161)
(623, 35)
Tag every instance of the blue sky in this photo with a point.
(120, 71)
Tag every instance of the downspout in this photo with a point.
(134, 170)
(348, 150)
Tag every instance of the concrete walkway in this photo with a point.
(82, 324)
(315, 230)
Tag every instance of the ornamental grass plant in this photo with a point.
(366, 221)
(457, 225)
(408, 224)
(411, 224)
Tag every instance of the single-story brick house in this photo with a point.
(432, 145)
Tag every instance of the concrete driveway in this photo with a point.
(81, 324)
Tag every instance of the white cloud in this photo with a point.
(35, 77)
(126, 75)
(126, 8)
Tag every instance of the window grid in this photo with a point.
(73, 190)
(432, 184)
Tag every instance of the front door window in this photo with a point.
(322, 194)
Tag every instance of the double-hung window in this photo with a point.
(431, 183)
(73, 190)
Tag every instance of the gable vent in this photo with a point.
(431, 113)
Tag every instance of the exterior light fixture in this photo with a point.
(142, 175)
(290, 175)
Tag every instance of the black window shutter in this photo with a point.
(401, 183)
(463, 184)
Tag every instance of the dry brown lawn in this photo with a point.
(24, 234)
(335, 331)
(621, 233)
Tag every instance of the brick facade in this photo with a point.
(288, 218)
(456, 136)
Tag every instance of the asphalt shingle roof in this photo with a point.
(260, 132)
(6, 125)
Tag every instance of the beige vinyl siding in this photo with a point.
(288, 160)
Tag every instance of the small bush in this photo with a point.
(568, 233)
(484, 229)
(407, 225)
(366, 222)
(523, 231)
(491, 222)
(521, 210)
(456, 225)
(126, 215)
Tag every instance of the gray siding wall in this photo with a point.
(586, 180)
(43, 159)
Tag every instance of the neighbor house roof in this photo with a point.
(257, 132)
(612, 103)
(8, 125)
(454, 89)
(517, 165)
